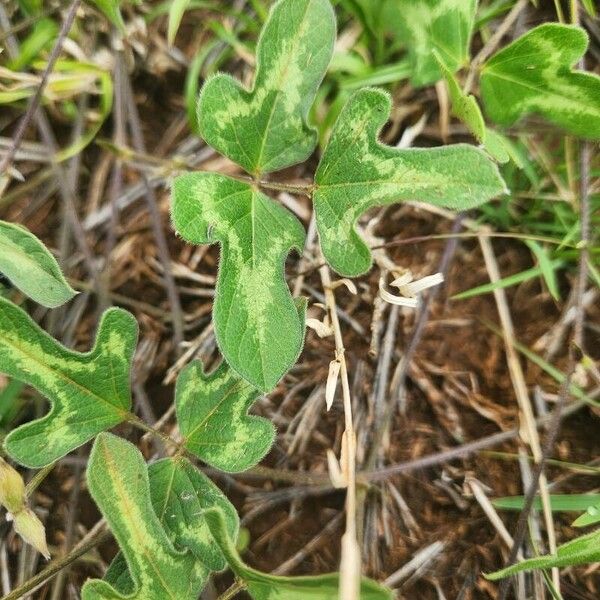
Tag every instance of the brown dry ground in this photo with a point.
(458, 389)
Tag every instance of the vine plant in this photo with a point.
(173, 525)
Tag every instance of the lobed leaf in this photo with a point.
(265, 129)
(31, 267)
(582, 550)
(262, 586)
(118, 481)
(357, 172)
(445, 26)
(258, 326)
(213, 420)
(534, 75)
(89, 392)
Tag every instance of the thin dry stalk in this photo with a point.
(350, 566)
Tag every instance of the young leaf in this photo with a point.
(534, 75)
(31, 267)
(427, 25)
(213, 420)
(89, 392)
(118, 481)
(266, 129)
(259, 328)
(357, 172)
(580, 551)
(180, 495)
(270, 587)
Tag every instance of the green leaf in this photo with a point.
(580, 551)
(270, 587)
(31, 267)
(445, 26)
(176, 12)
(266, 129)
(118, 482)
(534, 75)
(546, 266)
(591, 516)
(89, 392)
(558, 502)
(213, 420)
(507, 282)
(111, 11)
(180, 496)
(43, 33)
(466, 108)
(357, 172)
(258, 326)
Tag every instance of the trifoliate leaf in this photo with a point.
(180, 495)
(89, 392)
(427, 25)
(262, 586)
(357, 172)
(31, 267)
(213, 420)
(534, 75)
(266, 129)
(259, 328)
(580, 551)
(118, 482)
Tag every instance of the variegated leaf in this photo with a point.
(118, 482)
(262, 586)
(31, 267)
(580, 551)
(427, 25)
(180, 494)
(89, 392)
(213, 420)
(258, 326)
(534, 75)
(357, 172)
(266, 129)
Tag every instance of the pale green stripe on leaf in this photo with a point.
(180, 496)
(580, 551)
(258, 326)
(213, 420)
(266, 129)
(118, 482)
(30, 266)
(534, 75)
(88, 392)
(262, 586)
(425, 26)
(357, 172)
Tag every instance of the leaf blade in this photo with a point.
(31, 267)
(118, 481)
(262, 586)
(258, 326)
(266, 129)
(534, 75)
(357, 172)
(88, 392)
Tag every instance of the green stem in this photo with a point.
(233, 591)
(38, 478)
